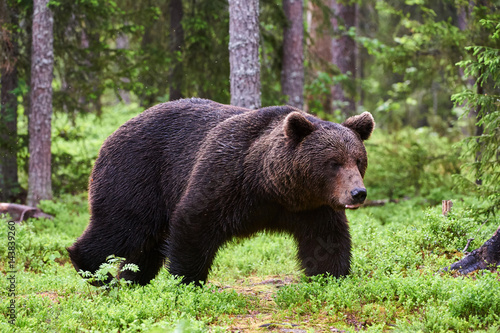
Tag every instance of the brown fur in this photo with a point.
(184, 177)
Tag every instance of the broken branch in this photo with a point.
(20, 213)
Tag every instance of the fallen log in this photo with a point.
(375, 203)
(381, 202)
(486, 257)
(20, 213)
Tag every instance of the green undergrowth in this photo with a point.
(76, 140)
(410, 163)
(396, 282)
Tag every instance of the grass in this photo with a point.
(396, 283)
(256, 284)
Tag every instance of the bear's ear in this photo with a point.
(362, 124)
(297, 127)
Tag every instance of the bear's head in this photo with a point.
(326, 161)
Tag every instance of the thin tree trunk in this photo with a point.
(343, 52)
(359, 52)
(463, 17)
(292, 76)
(176, 43)
(123, 43)
(146, 100)
(39, 178)
(319, 47)
(9, 183)
(244, 53)
(487, 256)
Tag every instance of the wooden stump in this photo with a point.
(447, 204)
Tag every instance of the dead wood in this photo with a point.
(20, 213)
(382, 202)
(486, 257)
(446, 207)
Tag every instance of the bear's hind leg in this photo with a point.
(96, 244)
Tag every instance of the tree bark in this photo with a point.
(343, 52)
(244, 53)
(292, 76)
(9, 183)
(123, 43)
(464, 13)
(319, 47)
(176, 43)
(487, 256)
(42, 61)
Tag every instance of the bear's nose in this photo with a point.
(358, 194)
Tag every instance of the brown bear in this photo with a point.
(184, 177)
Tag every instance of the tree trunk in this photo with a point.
(319, 48)
(464, 13)
(123, 43)
(244, 53)
(487, 256)
(361, 54)
(176, 43)
(344, 53)
(292, 76)
(9, 183)
(42, 61)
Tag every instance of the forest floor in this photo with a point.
(396, 282)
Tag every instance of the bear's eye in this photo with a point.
(359, 163)
(334, 165)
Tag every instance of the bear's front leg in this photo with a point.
(192, 245)
(324, 243)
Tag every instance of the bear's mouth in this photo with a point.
(356, 206)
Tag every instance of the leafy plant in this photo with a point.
(479, 300)
(482, 151)
(410, 163)
(112, 267)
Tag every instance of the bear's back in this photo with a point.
(149, 158)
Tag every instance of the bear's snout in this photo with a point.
(358, 195)
(349, 191)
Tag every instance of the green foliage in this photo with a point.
(398, 250)
(397, 53)
(410, 163)
(450, 233)
(410, 73)
(320, 87)
(113, 266)
(41, 244)
(272, 23)
(267, 258)
(482, 151)
(76, 143)
(410, 303)
(480, 300)
(205, 56)
(87, 59)
(394, 279)
(53, 297)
